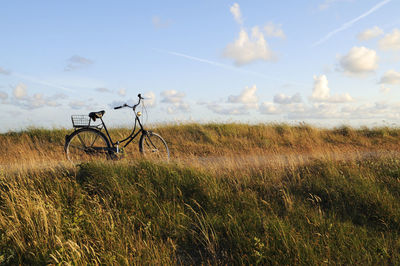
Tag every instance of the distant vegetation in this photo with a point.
(232, 194)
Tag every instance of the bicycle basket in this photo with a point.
(80, 120)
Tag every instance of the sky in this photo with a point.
(323, 62)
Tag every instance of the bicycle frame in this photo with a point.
(128, 139)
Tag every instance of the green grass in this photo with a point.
(146, 213)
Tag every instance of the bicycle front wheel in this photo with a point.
(87, 144)
(153, 146)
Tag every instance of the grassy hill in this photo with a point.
(233, 193)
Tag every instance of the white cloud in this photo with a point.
(37, 100)
(272, 30)
(319, 111)
(235, 10)
(245, 49)
(321, 92)
(122, 92)
(284, 99)
(391, 41)
(269, 108)
(76, 62)
(58, 96)
(4, 71)
(176, 99)
(251, 45)
(328, 3)
(391, 77)
(20, 91)
(77, 104)
(178, 107)
(76, 59)
(359, 60)
(294, 107)
(246, 97)
(52, 103)
(236, 104)
(102, 90)
(159, 23)
(340, 98)
(150, 99)
(3, 95)
(384, 89)
(369, 34)
(183, 106)
(172, 96)
(226, 110)
(170, 110)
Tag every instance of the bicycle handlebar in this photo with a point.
(119, 107)
(133, 107)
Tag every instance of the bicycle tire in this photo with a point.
(87, 144)
(153, 146)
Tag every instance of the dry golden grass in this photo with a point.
(216, 143)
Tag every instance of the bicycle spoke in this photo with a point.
(77, 147)
(153, 144)
(148, 139)
(83, 143)
(94, 140)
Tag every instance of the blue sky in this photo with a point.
(325, 62)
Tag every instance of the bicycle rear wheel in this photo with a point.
(153, 146)
(87, 144)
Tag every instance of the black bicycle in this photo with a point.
(88, 142)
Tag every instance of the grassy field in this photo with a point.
(232, 194)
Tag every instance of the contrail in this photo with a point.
(351, 22)
(41, 82)
(228, 67)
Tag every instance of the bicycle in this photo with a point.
(88, 142)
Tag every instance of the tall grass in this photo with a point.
(43, 145)
(213, 210)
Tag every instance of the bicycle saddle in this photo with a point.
(94, 115)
